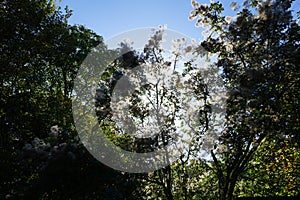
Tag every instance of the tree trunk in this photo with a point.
(227, 189)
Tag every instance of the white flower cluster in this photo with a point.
(155, 41)
(267, 9)
(264, 3)
(229, 19)
(54, 131)
(42, 153)
(198, 9)
(195, 4)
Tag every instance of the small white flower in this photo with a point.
(246, 3)
(54, 130)
(193, 41)
(158, 37)
(234, 6)
(228, 19)
(191, 17)
(222, 148)
(193, 13)
(127, 41)
(198, 24)
(195, 4)
(188, 49)
(264, 3)
(204, 25)
(151, 42)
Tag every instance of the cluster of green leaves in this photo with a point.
(40, 56)
(273, 174)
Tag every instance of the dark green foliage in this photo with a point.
(258, 54)
(40, 56)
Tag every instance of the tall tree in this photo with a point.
(164, 101)
(258, 55)
(41, 53)
(40, 56)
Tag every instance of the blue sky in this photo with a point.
(111, 17)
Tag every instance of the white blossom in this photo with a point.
(264, 3)
(228, 19)
(54, 130)
(222, 148)
(195, 4)
(234, 6)
(188, 49)
(193, 14)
